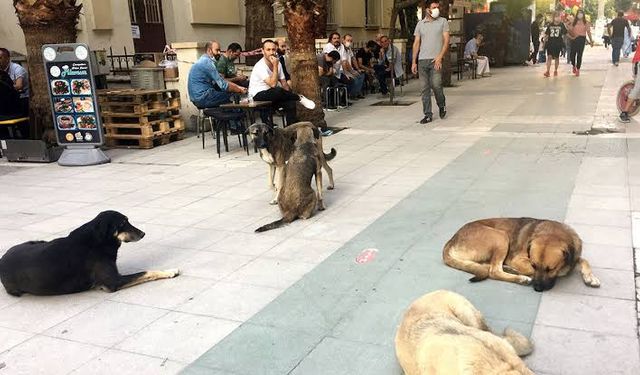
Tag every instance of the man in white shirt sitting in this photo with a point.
(263, 84)
(471, 52)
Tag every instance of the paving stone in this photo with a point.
(117, 322)
(60, 356)
(334, 356)
(178, 336)
(272, 346)
(118, 362)
(592, 353)
(587, 313)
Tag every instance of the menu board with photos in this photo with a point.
(72, 91)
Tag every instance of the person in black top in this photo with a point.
(365, 61)
(554, 42)
(9, 97)
(282, 51)
(618, 26)
(535, 38)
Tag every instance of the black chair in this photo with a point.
(468, 63)
(222, 124)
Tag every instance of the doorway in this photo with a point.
(147, 25)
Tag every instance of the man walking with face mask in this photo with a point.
(430, 44)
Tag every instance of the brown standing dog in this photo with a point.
(296, 198)
(442, 333)
(528, 249)
(276, 146)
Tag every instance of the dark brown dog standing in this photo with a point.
(530, 250)
(276, 146)
(296, 199)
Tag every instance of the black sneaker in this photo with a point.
(443, 112)
(624, 117)
(427, 119)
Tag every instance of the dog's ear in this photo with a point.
(107, 224)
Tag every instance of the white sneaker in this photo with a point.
(306, 102)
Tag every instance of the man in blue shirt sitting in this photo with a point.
(207, 88)
(471, 52)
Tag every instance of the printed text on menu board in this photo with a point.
(74, 106)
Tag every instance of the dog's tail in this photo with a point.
(520, 343)
(331, 155)
(276, 224)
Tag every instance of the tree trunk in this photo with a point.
(299, 17)
(320, 20)
(260, 23)
(446, 60)
(44, 22)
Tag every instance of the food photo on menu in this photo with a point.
(87, 122)
(80, 86)
(60, 87)
(65, 122)
(62, 105)
(83, 104)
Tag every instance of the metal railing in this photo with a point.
(120, 64)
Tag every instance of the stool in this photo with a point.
(336, 92)
(12, 124)
(222, 119)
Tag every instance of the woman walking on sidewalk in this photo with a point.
(554, 42)
(579, 30)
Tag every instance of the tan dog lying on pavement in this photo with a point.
(443, 333)
(528, 249)
(276, 146)
(296, 198)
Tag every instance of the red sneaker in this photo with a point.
(574, 70)
(546, 74)
(555, 74)
(577, 72)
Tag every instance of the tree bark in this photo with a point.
(300, 17)
(44, 22)
(260, 23)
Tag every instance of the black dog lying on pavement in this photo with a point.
(85, 259)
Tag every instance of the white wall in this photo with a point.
(11, 36)
(178, 25)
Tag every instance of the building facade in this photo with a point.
(147, 25)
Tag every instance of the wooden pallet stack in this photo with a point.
(136, 118)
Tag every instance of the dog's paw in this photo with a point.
(525, 280)
(273, 202)
(591, 281)
(330, 187)
(172, 272)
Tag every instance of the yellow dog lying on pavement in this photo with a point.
(518, 250)
(442, 333)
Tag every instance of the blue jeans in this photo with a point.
(212, 98)
(616, 44)
(355, 85)
(431, 80)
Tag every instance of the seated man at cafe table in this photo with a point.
(263, 85)
(227, 67)
(206, 86)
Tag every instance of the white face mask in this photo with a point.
(435, 13)
(347, 44)
(580, 16)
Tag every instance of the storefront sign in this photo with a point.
(72, 91)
